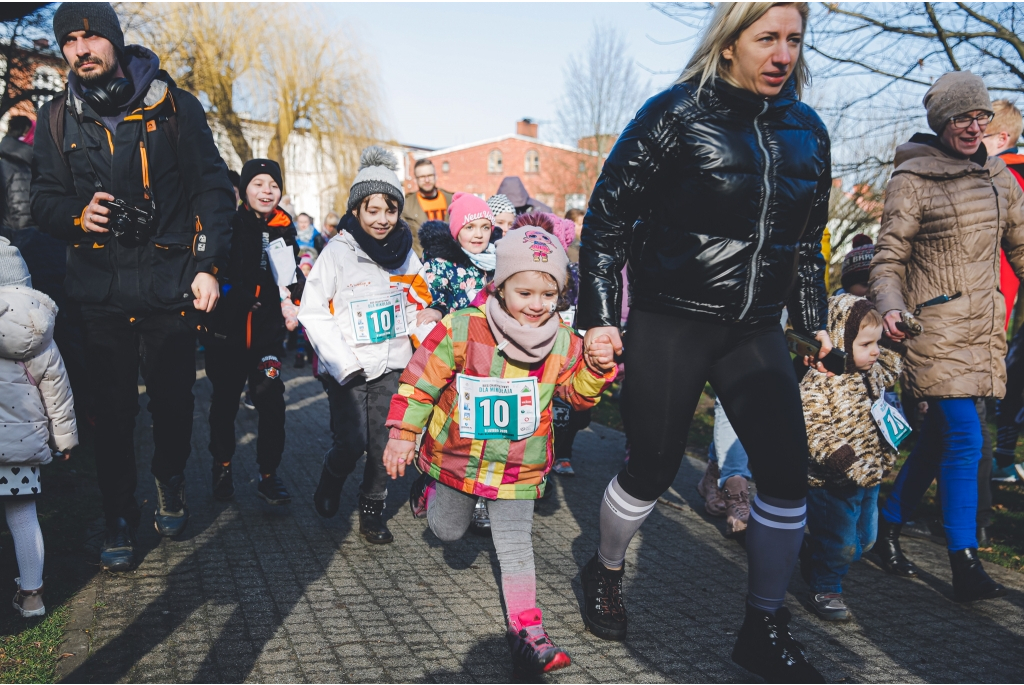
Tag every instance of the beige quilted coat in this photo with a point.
(942, 226)
(846, 445)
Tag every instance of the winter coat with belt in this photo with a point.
(718, 200)
(186, 175)
(249, 280)
(944, 221)
(16, 176)
(343, 274)
(38, 411)
(846, 445)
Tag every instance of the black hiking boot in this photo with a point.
(970, 582)
(371, 521)
(327, 497)
(766, 648)
(888, 550)
(604, 612)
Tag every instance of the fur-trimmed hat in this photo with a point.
(377, 168)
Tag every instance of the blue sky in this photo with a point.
(452, 73)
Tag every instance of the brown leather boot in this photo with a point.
(736, 493)
(708, 489)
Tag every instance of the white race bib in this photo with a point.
(497, 408)
(378, 318)
(893, 426)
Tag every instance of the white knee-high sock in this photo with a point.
(28, 541)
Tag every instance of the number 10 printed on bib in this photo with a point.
(893, 426)
(378, 318)
(497, 408)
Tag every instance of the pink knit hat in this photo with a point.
(530, 249)
(464, 209)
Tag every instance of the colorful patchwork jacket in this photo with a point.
(427, 397)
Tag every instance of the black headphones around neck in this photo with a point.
(114, 94)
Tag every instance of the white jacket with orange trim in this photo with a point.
(343, 274)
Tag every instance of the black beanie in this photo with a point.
(94, 17)
(255, 167)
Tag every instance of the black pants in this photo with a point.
(669, 359)
(228, 368)
(567, 422)
(162, 347)
(359, 410)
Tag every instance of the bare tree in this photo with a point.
(24, 48)
(603, 90)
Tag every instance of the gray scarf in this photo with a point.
(521, 343)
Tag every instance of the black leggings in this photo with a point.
(669, 359)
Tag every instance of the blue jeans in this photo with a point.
(726, 448)
(844, 523)
(949, 448)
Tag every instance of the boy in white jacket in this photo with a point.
(362, 306)
(37, 414)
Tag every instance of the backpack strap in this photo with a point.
(57, 125)
(170, 124)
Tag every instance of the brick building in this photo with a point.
(560, 176)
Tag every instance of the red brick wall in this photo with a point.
(559, 174)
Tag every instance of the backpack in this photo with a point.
(169, 124)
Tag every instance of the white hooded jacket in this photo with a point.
(38, 411)
(342, 274)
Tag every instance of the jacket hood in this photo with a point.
(26, 322)
(12, 148)
(140, 64)
(438, 243)
(924, 156)
(512, 187)
(845, 312)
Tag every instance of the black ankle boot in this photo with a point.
(327, 497)
(766, 648)
(888, 550)
(371, 521)
(970, 582)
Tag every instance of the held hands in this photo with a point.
(600, 357)
(207, 292)
(826, 347)
(397, 455)
(427, 316)
(893, 317)
(94, 218)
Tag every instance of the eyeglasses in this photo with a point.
(425, 177)
(964, 121)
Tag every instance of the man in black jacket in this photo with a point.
(16, 175)
(124, 132)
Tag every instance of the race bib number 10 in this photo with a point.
(379, 318)
(497, 408)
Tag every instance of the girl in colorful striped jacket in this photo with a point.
(482, 384)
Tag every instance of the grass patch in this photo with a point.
(67, 506)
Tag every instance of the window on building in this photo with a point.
(583, 167)
(494, 162)
(575, 201)
(445, 167)
(532, 165)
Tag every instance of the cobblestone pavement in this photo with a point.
(276, 594)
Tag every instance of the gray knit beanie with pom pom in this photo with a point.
(377, 168)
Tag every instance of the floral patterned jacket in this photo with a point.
(452, 286)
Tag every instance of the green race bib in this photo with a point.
(893, 426)
(497, 408)
(379, 318)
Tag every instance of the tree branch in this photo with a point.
(941, 34)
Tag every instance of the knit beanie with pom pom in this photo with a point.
(377, 168)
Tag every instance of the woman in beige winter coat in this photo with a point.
(37, 415)
(948, 209)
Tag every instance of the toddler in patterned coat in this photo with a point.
(853, 435)
(37, 415)
(481, 387)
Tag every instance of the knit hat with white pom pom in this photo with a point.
(377, 168)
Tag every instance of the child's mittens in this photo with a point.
(840, 461)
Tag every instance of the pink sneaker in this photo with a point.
(533, 652)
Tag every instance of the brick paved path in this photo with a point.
(263, 594)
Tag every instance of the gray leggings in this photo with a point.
(449, 515)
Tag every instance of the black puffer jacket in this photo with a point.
(16, 176)
(718, 203)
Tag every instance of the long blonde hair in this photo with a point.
(727, 21)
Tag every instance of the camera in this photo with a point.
(129, 224)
